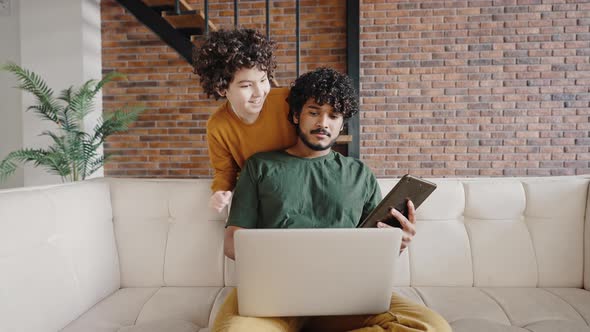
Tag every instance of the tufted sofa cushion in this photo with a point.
(171, 252)
(503, 254)
(57, 254)
(169, 222)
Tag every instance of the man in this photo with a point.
(310, 186)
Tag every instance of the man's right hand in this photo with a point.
(408, 225)
(219, 200)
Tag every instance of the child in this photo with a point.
(238, 65)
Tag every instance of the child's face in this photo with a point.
(247, 92)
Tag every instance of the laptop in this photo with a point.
(315, 272)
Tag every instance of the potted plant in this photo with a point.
(74, 153)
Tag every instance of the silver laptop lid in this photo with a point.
(311, 272)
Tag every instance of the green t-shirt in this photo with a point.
(278, 190)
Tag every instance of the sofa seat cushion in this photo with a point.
(192, 309)
(483, 325)
(162, 325)
(579, 299)
(175, 309)
(510, 308)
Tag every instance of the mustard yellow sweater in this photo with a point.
(231, 141)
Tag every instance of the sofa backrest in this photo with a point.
(57, 254)
(166, 234)
(494, 232)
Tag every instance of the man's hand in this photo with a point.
(408, 224)
(219, 200)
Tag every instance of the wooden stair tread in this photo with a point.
(343, 139)
(195, 19)
(184, 6)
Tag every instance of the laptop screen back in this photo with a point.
(313, 272)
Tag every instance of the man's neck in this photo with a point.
(303, 151)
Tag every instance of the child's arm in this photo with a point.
(225, 171)
(225, 168)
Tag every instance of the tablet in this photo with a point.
(408, 187)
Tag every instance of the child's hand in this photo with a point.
(219, 200)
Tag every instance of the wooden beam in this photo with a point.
(194, 19)
(344, 139)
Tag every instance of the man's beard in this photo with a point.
(315, 147)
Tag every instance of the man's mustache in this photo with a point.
(320, 131)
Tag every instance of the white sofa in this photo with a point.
(491, 254)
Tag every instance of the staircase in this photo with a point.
(180, 27)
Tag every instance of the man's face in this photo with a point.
(318, 126)
(247, 92)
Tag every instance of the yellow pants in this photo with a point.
(403, 316)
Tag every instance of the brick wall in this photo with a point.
(475, 88)
(448, 88)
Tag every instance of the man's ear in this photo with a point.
(296, 118)
(221, 92)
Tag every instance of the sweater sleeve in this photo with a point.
(225, 168)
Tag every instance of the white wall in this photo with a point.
(92, 59)
(59, 40)
(11, 130)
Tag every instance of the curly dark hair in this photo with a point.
(227, 51)
(325, 86)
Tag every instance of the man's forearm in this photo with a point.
(228, 242)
